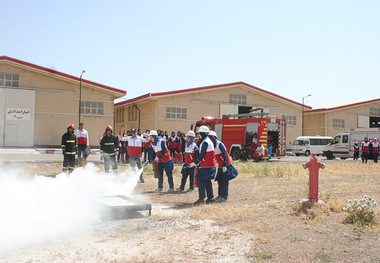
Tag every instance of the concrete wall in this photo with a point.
(322, 122)
(57, 105)
(207, 103)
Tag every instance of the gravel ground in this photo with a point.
(259, 223)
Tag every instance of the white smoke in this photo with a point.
(34, 209)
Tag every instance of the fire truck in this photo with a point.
(236, 130)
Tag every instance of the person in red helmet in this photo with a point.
(69, 149)
(109, 147)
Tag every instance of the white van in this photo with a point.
(306, 145)
(343, 144)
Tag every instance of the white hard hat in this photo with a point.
(153, 132)
(212, 133)
(190, 133)
(203, 128)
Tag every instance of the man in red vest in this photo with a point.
(135, 144)
(83, 143)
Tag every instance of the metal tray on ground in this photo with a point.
(122, 207)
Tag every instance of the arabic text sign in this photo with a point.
(16, 114)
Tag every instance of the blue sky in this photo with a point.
(330, 49)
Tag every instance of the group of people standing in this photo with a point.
(204, 155)
(368, 148)
(200, 158)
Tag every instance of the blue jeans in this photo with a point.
(223, 184)
(203, 187)
(82, 150)
(364, 157)
(168, 167)
(186, 172)
(375, 157)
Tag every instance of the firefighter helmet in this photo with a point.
(70, 126)
(109, 127)
(133, 130)
(203, 128)
(212, 133)
(190, 133)
(153, 132)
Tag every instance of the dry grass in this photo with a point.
(263, 215)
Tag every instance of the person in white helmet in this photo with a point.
(226, 170)
(162, 156)
(206, 173)
(375, 146)
(191, 153)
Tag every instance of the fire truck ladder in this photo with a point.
(246, 115)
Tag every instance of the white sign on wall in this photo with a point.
(17, 114)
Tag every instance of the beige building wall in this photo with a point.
(57, 105)
(207, 103)
(323, 121)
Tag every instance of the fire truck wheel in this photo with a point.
(329, 156)
(235, 154)
(307, 153)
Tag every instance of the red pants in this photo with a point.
(258, 156)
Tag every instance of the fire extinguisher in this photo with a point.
(180, 157)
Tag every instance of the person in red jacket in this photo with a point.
(206, 173)
(226, 171)
(365, 149)
(161, 155)
(375, 145)
(356, 151)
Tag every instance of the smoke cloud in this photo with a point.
(34, 209)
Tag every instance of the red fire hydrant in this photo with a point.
(314, 167)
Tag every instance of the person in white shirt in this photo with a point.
(135, 144)
(260, 152)
(83, 143)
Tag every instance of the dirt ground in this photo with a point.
(259, 223)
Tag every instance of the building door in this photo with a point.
(18, 120)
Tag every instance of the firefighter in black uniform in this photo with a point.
(109, 147)
(69, 149)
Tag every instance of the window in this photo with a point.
(319, 141)
(9, 80)
(92, 108)
(132, 113)
(336, 140)
(374, 112)
(120, 115)
(238, 98)
(290, 119)
(338, 123)
(176, 113)
(345, 139)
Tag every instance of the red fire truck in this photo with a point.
(235, 130)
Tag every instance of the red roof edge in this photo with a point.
(61, 74)
(207, 88)
(344, 106)
(133, 100)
